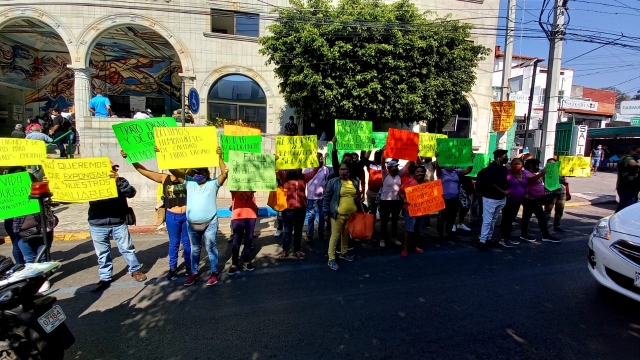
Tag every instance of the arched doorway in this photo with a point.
(234, 97)
(137, 69)
(33, 72)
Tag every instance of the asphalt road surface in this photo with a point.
(534, 301)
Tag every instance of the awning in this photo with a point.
(612, 132)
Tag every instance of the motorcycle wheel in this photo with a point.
(37, 349)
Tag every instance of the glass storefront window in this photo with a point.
(236, 97)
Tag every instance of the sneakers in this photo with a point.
(248, 266)
(278, 233)
(504, 244)
(404, 254)
(101, 285)
(558, 229)
(514, 242)
(527, 237)
(398, 243)
(187, 269)
(454, 228)
(463, 227)
(172, 274)
(382, 244)
(333, 265)
(139, 276)
(232, 270)
(346, 257)
(418, 250)
(213, 279)
(550, 238)
(191, 279)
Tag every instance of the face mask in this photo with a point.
(394, 171)
(504, 161)
(320, 163)
(536, 169)
(516, 168)
(199, 178)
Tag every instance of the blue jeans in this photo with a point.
(627, 198)
(31, 249)
(293, 220)
(209, 235)
(177, 229)
(122, 237)
(314, 207)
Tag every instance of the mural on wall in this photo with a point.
(128, 61)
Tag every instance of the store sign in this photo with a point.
(631, 107)
(519, 98)
(635, 122)
(579, 104)
(626, 118)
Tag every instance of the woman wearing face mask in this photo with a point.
(174, 194)
(412, 224)
(390, 201)
(517, 189)
(532, 203)
(340, 197)
(295, 184)
(244, 213)
(450, 177)
(202, 216)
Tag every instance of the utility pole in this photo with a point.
(501, 137)
(530, 107)
(550, 114)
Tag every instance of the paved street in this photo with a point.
(535, 301)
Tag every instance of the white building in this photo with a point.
(140, 53)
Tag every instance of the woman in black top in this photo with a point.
(174, 195)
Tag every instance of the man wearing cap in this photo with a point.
(492, 184)
(18, 133)
(142, 115)
(108, 218)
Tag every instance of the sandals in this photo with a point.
(283, 255)
(300, 255)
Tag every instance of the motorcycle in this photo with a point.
(32, 326)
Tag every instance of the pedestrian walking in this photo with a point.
(244, 214)
(533, 202)
(340, 197)
(555, 200)
(450, 177)
(174, 198)
(597, 155)
(315, 195)
(492, 184)
(108, 218)
(202, 216)
(517, 190)
(628, 182)
(412, 224)
(61, 126)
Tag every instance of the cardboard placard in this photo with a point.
(552, 176)
(80, 180)
(237, 130)
(425, 198)
(354, 134)
(251, 172)
(296, 152)
(454, 152)
(21, 152)
(14, 196)
(136, 137)
(250, 144)
(504, 113)
(576, 166)
(402, 144)
(187, 147)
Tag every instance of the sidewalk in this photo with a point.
(598, 189)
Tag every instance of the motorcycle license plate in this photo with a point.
(52, 319)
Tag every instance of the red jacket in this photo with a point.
(296, 189)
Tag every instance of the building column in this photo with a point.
(82, 90)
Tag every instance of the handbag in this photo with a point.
(360, 226)
(278, 199)
(130, 217)
(31, 229)
(160, 215)
(199, 226)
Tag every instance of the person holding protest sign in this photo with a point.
(202, 215)
(174, 196)
(412, 224)
(555, 200)
(532, 203)
(450, 177)
(295, 184)
(375, 179)
(340, 197)
(492, 184)
(517, 189)
(315, 194)
(108, 218)
(390, 201)
(244, 214)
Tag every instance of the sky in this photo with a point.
(613, 21)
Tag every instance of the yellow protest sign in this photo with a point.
(236, 130)
(427, 146)
(80, 180)
(186, 147)
(504, 113)
(296, 152)
(21, 152)
(576, 166)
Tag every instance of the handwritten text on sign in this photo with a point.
(577, 166)
(296, 152)
(80, 180)
(428, 145)
(251, 172)
(14, 196)
(402, 144)
(454, 152)
(250, 144)
(354, 134)
(237, 130)
(552, 176)
(21, 152)
(136, 137)
(425, 198)
(504, 113)
(480, 161)
(380, 138)
(187, 147)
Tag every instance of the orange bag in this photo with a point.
(361, 226)
(278, 199)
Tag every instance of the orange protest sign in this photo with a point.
(402, 144)
(425, 198)
(235, 130)
(504, 113)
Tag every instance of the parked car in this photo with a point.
(614, 252)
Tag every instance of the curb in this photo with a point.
(585, 203)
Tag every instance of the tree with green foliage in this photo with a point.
(366, 59)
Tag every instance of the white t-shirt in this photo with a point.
(140, 115)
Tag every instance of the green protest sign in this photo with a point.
(381, 139)
(251, 172)
(249, 144)
(480, 161)
(454, 152)
(14, 196)
(552, 176)
(340, 153)
(354, 134)
(136, 137)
